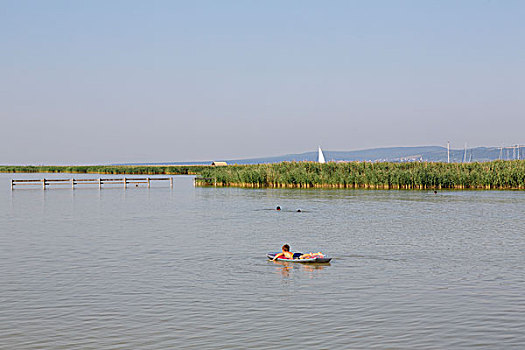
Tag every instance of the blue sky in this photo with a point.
(140, 81)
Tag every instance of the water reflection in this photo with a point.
(286, 268)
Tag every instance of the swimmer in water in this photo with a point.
(299, 210)
(278, 208)
(286, 253)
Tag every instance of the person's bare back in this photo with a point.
(286, 253)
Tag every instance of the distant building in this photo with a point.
(219, 164)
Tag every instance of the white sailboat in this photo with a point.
(320, 158)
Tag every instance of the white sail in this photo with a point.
(321, 156)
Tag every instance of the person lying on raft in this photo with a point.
(286, 253)
(312, 255)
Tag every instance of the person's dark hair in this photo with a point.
(286, 248)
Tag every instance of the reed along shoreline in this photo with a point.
(508, 175)
(501, 174)
(107, 169)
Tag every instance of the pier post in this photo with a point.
(125, 183)
(12, 182)
(171, 182)
(44, 184)
(99, 183)
(72, 184)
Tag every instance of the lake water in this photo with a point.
(162, 268)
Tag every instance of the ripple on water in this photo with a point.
(187, 268)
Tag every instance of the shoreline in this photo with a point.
(495, 175)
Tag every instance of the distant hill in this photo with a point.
(395, 154)
(387, 154)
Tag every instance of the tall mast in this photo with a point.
(448, 151)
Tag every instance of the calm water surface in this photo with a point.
(185, 267)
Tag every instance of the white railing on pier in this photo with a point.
(100, 181)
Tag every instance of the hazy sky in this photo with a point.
(150, 81)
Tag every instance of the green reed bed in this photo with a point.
(487, 175)
(106, 169)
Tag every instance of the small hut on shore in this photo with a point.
(219, 164)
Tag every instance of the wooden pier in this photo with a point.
(100, 181)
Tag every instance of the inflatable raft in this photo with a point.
(314, 259)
